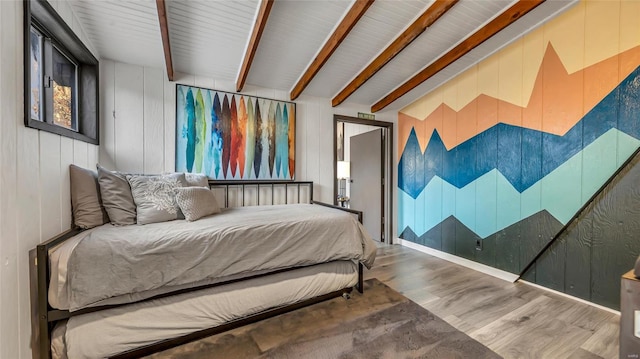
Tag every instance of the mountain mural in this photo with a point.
(522, 155)
(556, 93)
(508, 152)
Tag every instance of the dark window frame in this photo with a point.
(44, 18)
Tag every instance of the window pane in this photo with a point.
(64, 91)
(36, 75)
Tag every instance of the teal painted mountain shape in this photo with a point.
(491, 203)
(522, 155)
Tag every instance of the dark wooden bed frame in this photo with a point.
(44, 317)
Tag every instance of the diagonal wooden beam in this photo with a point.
(258, 28)
(164, 31)
(503, 20)
(358, 9)
(428, 17)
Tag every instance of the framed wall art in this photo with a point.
(230, 136)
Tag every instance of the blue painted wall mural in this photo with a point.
(509, 151)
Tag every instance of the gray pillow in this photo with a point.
(196, 202)
(116, 197)
(197, 180)
(155, 197)
(86, 203)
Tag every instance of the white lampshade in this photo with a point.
(343, 169)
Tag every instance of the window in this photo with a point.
(61, 76)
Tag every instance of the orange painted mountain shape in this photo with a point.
(557, 102)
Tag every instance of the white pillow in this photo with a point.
(155, 197)
(196, 202)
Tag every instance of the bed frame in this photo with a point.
(44, 317)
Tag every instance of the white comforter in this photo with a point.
(111, 261)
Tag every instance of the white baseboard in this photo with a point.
(509, 277)
(492, 271)
(571, 297)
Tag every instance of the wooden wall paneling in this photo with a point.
(28, 213)
(66, 158)
(537, 231)
(3, 212)
(305, 194)
(600, 38)
(465, 87)
(50, 182)
(465, 242)
(107, 111)
(129, 130)
(600, 35)
(531, 144)
(508, 67)
(568, 192)
(220, 85)
(234, 196)
(292, 195)
(448, 229)
(434, 205)
(93, 153)
(8, 297)
(615, 226)
(169, 150)
(80, 157)
(578, 262)
(325, 152)
(279, 194)
(312, 140)
(529, 237)
(507, 243)
(153, 160)
(251, 196)
(10, 111)
(449, 130)
(551, 265)
(265, 195)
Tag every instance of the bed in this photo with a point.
(165, 284)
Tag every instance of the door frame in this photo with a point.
(387, 193)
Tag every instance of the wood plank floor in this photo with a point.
(515, 320)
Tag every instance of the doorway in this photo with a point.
(364, 148)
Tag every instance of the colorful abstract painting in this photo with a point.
(230, 136)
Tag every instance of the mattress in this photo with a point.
(111, 331)
(110, 264)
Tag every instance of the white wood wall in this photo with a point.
(138, 123)
(34, 181)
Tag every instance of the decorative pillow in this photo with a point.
(196, 202)
(86, 203)
(116, 197)
(197, 180)
(155, 197)
(193, 180)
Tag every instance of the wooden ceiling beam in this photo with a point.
(164, 31)
(357, 10)
(503, 20)
(258, 28)
(428, 17)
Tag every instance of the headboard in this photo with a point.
(256, 193)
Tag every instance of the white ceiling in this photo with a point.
(209, 38)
